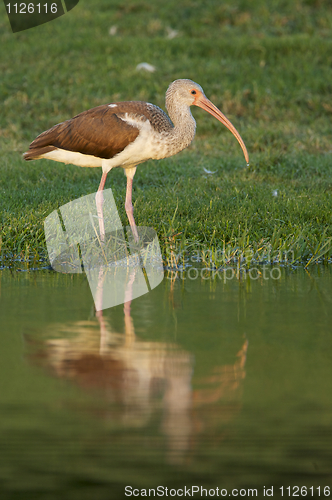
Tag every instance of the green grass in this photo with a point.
(266, 65)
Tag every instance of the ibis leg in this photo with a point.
(99, 204)
(130, 172)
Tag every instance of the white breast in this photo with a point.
(146, 146)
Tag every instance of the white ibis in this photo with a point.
(124, 134)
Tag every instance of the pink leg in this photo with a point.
(99, 204)
(130, 172)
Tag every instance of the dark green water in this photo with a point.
(202, 383)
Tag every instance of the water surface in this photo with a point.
(207, 382)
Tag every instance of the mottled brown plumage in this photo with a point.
(100, 131)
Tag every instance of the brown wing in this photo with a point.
(98, 132)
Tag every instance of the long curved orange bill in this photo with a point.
(203, 102)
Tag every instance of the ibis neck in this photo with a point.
(184, 126)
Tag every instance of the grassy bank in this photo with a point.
(267, 66)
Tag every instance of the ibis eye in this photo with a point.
(193, 92)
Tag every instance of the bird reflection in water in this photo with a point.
(137, 378)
